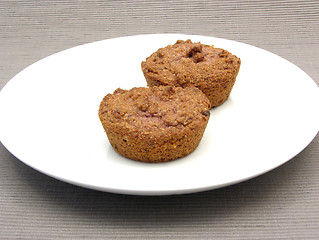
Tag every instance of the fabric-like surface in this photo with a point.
(282, 204)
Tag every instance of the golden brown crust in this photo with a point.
(155, 124)
(212, 70)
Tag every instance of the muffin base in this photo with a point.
(216, 92)
(147, 149)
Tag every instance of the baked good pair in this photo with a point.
(167, 120)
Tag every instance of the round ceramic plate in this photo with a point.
(49, 118)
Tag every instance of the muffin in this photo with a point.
(212, 70)
(155, 124)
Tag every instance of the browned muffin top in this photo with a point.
(152, 110)
(187, 63)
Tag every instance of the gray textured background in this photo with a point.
(282, 204)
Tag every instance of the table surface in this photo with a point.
(281, 204)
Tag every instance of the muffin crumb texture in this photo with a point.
(212, 70)
(155, 124)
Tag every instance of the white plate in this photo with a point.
(49, 118)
